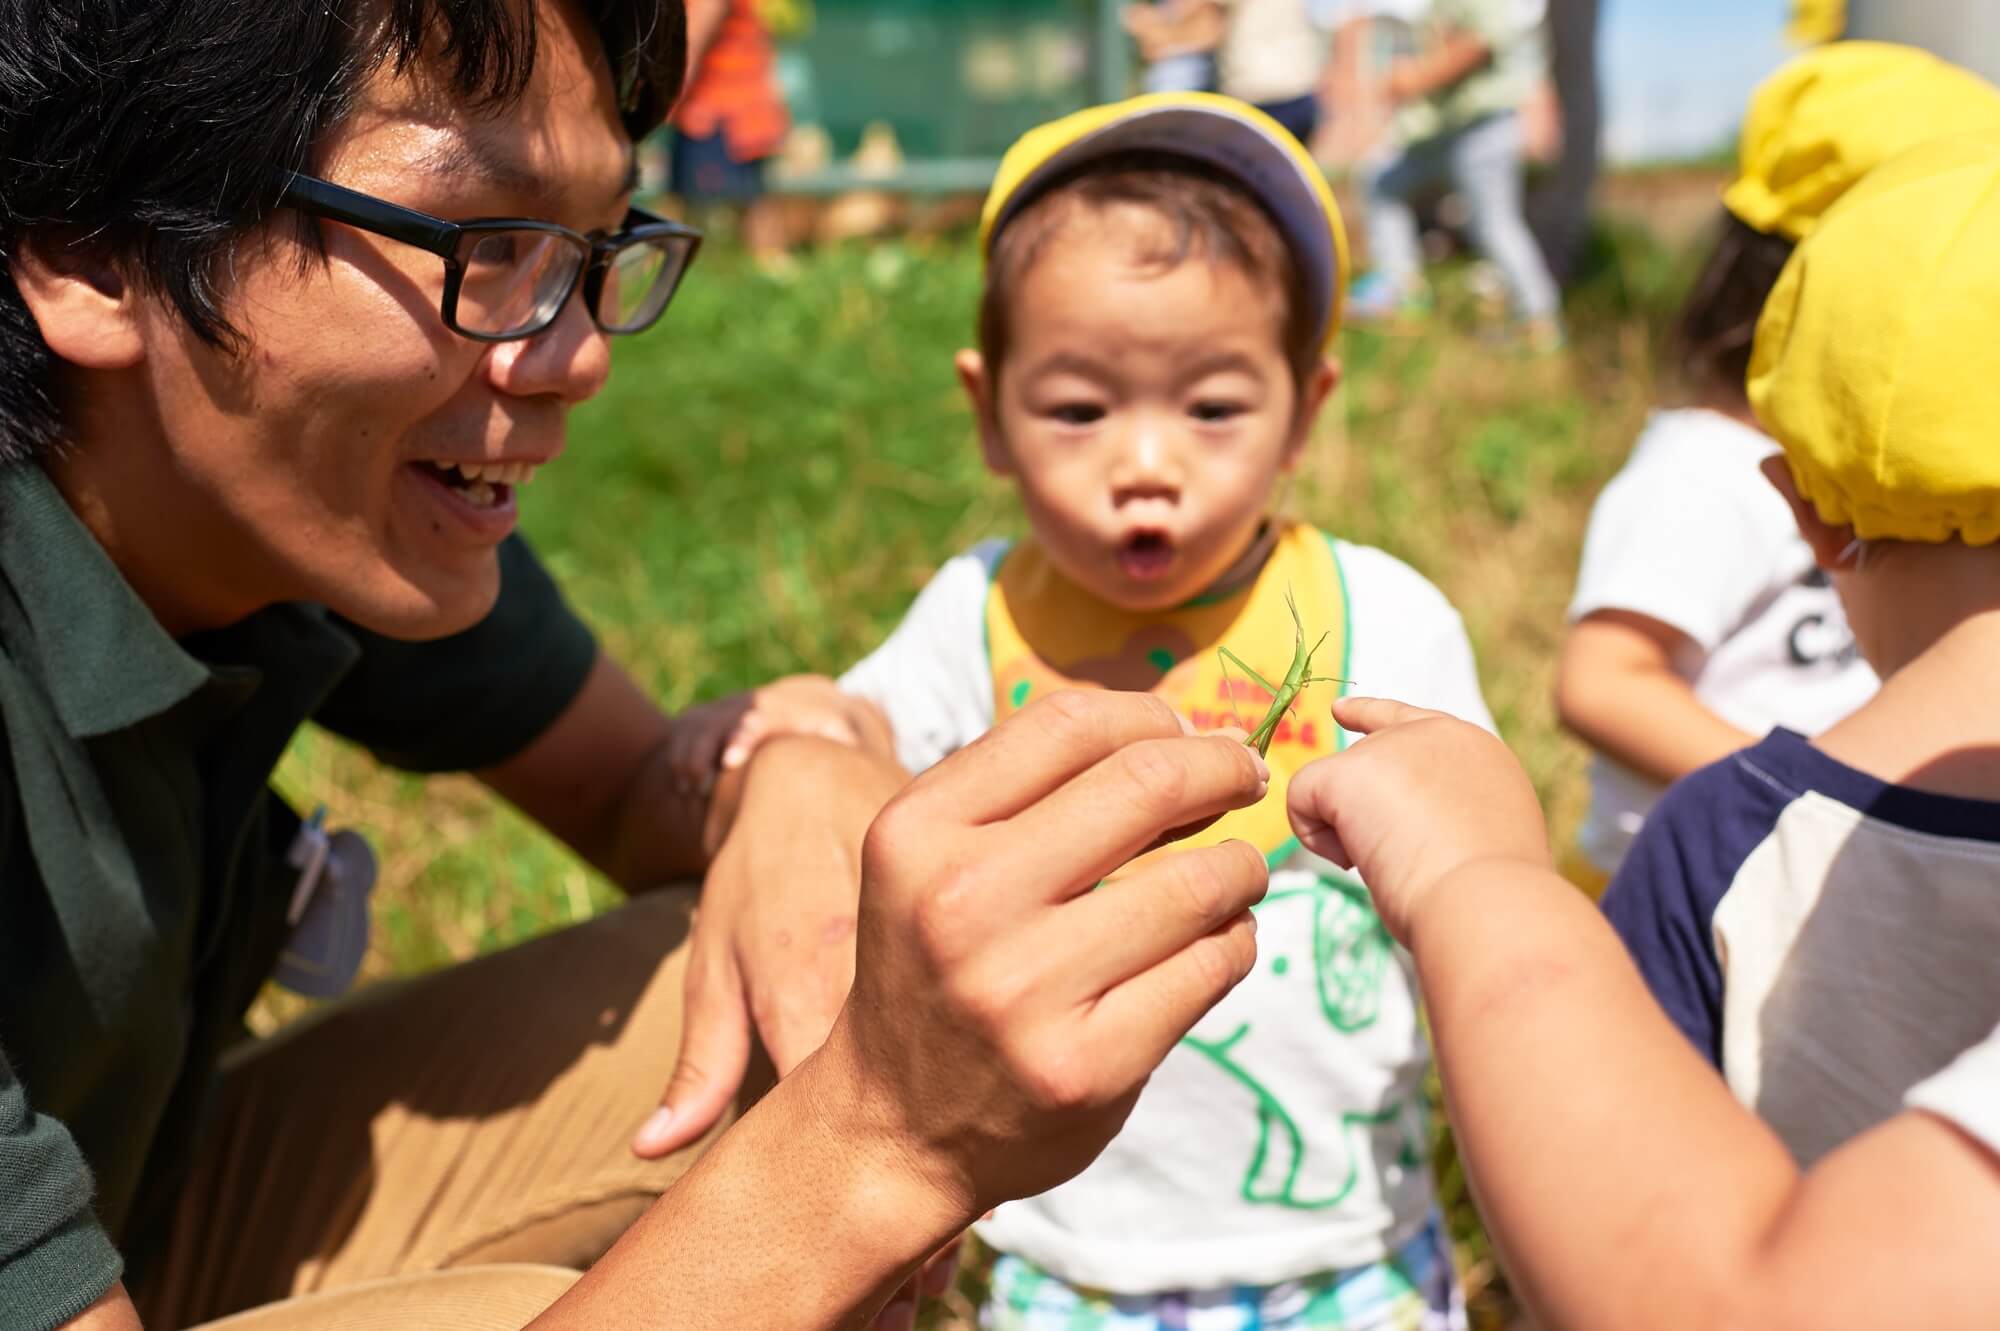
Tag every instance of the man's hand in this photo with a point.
(1420, 797)
(773, 946)
(1004, 1015)
(1006, 1011)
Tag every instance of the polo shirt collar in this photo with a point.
(107, 662)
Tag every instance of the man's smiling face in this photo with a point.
(331, 456)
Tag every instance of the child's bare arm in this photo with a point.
(1626, 1187)
(1617, 691)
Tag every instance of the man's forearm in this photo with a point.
(803, 1216)
(1625, 1185)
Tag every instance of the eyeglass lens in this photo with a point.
(638, 282)
(515, 280)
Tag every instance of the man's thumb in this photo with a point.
(715, 1049)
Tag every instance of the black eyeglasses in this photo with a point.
(509, 277)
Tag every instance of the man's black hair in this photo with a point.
(158, 132)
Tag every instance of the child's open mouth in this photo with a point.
(1146, 555)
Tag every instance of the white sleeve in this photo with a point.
(1966, 1094)
(1672, 540)
(932, 677)
(1409, 643)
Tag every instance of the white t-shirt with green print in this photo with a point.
(1285, 1136)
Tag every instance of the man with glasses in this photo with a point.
(293, 299)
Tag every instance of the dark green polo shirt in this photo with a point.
(143, 891)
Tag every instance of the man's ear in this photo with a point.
(87, 311)
(981, 391)
(1313, 395)
(1830, 544)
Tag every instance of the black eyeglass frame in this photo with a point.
(448, 240)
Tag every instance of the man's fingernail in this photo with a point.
(732, 757)
(653, 1132)
(897, 1317)
(1263, 768)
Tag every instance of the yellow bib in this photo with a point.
(1043, 633)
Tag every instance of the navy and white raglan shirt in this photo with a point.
(1829, 941)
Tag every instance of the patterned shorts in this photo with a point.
(1413, 1290)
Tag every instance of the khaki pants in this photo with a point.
(443, 1152)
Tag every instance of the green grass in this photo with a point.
(776, 470)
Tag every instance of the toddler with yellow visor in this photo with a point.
(1162, 302)
(1700, 620)
(1820, 917)
(1163, 288)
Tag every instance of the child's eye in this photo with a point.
(1078, 413)
(1215, 412)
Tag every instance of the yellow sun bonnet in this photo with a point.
(1875, 364)
(1834, 114)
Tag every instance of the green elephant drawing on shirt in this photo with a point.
(1351, 954)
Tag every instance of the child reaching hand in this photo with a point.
(1162, 293)
(1603, 1151)
(1700, 621)
(1819, 916)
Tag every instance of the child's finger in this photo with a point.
(1324, 841)
(750, 733)
(1310, 802)
(1365, 716)
(838, 729)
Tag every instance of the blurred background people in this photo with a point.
(1459, 120)
(1269, 53)
(730, 123)
(1273, 56)
(1559, 209)
(1177, 39)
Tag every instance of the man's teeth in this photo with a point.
(492, 473)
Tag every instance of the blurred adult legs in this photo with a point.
(1482, 161)
(1389, 185)
(1486, 170)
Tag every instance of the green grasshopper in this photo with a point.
(1283, 696)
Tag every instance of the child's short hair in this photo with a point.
(1717, 326)
(1208, 214)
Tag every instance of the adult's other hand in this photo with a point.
(772, 952)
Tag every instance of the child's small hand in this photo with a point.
(808, 705)
(1421, 796)
(720, 736)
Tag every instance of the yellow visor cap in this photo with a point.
(1229, 136)
(1875, 365)
(1834, 114)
